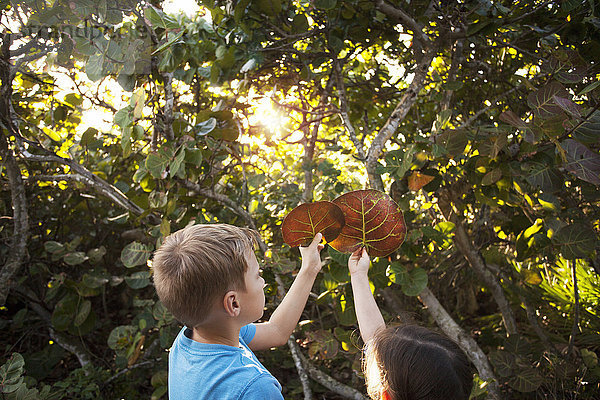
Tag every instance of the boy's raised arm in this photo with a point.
(285, 317)
(369, 317)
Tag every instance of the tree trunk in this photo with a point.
(476, 261)
(20, 218)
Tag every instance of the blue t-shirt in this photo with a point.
(202, 371)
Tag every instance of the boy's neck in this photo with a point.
(217, 334)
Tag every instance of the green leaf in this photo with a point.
(300, 23)
(589, 130)
(526, 380)
(158, 393)
(75, 258)
(445, 227)
(95, 255)
(542, 101)
(137, 102)
(503, 362)
(135, 253)
(532, 276)
(194, 156)
(270, 7)
(344, 311)
(159, 19)
(581, 161)
(176, 164)
(590, 359)
(83, 312)
(589, 88)
(121, 337)
(567, 106)
(88, 136)
(240, 10)
(138, 280)
(454, 141)
(172, 38)
(541, 173)
(122, 117)
(165, 227)
(162, 314)
(11, 373)
(414, 282)
(157, 164)
(338, 257)
(53, 247)
(94, 67)
(64, 312)
(74, 99)
(491, 177)
(513, 119)
(433, 234)
(398, 162)
(94, 280)
(576, 241)
(325, 4)
(441, 120)
(159, 379)
(517, 345)
(204, 128)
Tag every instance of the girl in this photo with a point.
(405, 362)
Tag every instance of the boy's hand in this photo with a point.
(359, 262)
(311, 257)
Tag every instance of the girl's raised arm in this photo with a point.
(369, 317)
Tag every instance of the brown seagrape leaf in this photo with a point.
(373, 220)
(301, 225)
(417, 180)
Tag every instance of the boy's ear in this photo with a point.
(385, 395)
(231, 303)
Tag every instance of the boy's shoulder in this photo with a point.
(201, 370)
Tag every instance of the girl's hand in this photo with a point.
(359, 262)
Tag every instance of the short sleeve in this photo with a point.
(263, 388)
(247, 333)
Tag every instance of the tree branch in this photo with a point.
(389, 128)
(221, 198)
(330, 383)
(99, 184)
(68, 343)
(168, 108)
(456, 60)
(532, 318)
(134, 366)
(297, 356)
(405, 19)
(341, 89)
(309, 147)
(465, 342)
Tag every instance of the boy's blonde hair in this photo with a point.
(197, 265)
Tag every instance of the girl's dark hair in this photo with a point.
(416, 363)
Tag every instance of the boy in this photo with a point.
(209, 278)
